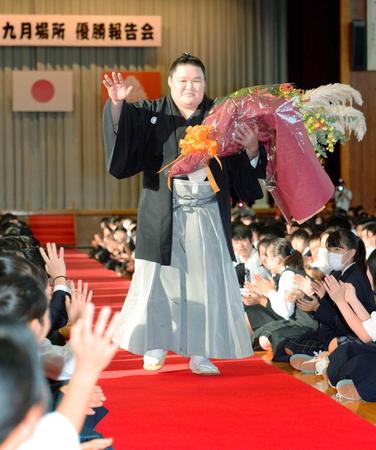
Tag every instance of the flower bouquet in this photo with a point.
(297, 129)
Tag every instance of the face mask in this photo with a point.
(335, 260)
(322, 255)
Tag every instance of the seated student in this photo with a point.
(243, 248)
(314, 244)
(56, 266)
(320, 262)
(368, 236)
(23, 399)
(256, 306)
(23, 300)
(52, 262)
(300, 243)
(11, 225)
(283, 262)
(351, 367)
(346, 256)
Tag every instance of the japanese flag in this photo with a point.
(42, 91)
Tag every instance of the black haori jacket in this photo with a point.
(146, 139)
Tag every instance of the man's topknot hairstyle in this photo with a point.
(187, 58)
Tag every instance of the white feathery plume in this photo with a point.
(332, 94)
(335, 101)
(349, 119)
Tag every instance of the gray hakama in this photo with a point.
(193, 306)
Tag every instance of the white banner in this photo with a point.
(80, 31)
(35, 90)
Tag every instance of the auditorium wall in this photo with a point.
(358, 166)
(54, 161)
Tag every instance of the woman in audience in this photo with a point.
(352, 366)
(283, 262)
(346, 257)
(256, 306)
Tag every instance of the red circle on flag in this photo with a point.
(42, 91)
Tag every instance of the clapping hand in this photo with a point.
(335, 289)
(293, 295)
(304, 284)
(350, 293)
(264, 285)
(116, 88)
(308, 305)
(319, 288)
(249, 295)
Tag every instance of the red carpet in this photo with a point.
(50, 228)
(252, 405)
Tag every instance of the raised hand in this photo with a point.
(92, 344)
(93, 348)
(116, 88)
(55, 264)
(80, 297)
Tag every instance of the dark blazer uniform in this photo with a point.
(332, 323)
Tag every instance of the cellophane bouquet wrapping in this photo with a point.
(297, 130)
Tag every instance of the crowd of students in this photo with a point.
(49, 398)
(114, 245)
(309, 295)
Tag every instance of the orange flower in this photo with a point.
(197, 140)
(286, 87)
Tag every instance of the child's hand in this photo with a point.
(350, 293)
(318, 288)
(55, 264)
(335, 290)
(264, 285)
(308, 305)
(304, 284)
(80, 297)
(92, 343)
